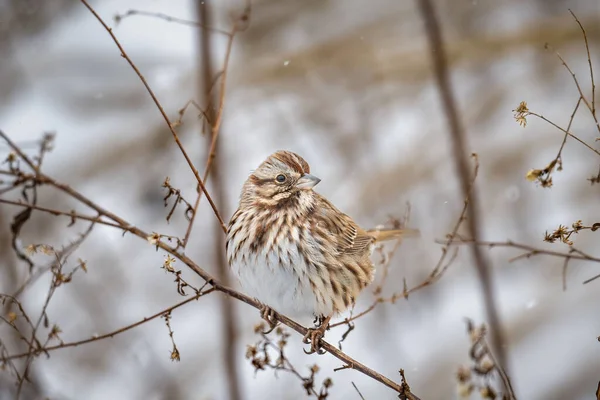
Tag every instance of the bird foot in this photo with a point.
(314, 336)
(270, 316)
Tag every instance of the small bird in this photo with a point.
(293, 250)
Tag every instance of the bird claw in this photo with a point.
(270, 316)
(314, 336)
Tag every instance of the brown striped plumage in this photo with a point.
(291, 248)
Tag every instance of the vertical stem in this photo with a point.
(459, 147)
(227, 310)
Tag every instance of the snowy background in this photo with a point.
(348, 85)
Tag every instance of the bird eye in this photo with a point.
(280, 178)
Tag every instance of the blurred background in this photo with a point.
(348, 85)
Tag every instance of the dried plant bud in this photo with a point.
(485, 367)
(521, 113)
(12, 161)
(54, 332)
(260, 327)
(82, 264)
(154, 238)
(533, 174)
(476, 333)
(11, 317)
(546, 182)
(47, 249)
(175, 355)
(43, 248)
(251, 351)
(463, 374)
(31, 249)
(549, 237)
(487, 392)
(168, 264)
(282, 343)
(465, 390)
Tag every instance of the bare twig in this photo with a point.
(238, 26)
(530, 251)
(168, 18)
(71, 214)
(228, 324)
(566, 132)
(58, 278)
(114, 333)
(589, 58)
(459, 143)
(162, 111)
(591, 106)
(358, 391)
(62, 254)
(261, 359)
(436, 273)
(485, 363)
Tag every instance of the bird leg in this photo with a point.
(314, 336)
(269, 315)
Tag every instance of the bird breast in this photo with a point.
(273, 267)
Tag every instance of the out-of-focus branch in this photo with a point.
(228, 325)
(215, 118)
(459, 145)
(407, 66)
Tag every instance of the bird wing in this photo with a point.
(349, 238)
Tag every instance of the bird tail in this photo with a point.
(382, 235)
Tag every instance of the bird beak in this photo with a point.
(307, 181)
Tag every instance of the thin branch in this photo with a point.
(459, 143)
(591, 106)
(239, 25)
(566, 132)
(162, 111)
(530, 250)
(587, 49)
(43, 316)
(436, 273)
(571, 119)
(63, 254)
(228, 320)
(19, 152)
(126, 328)
(358, 391)
(168, 18)
(71, 214)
